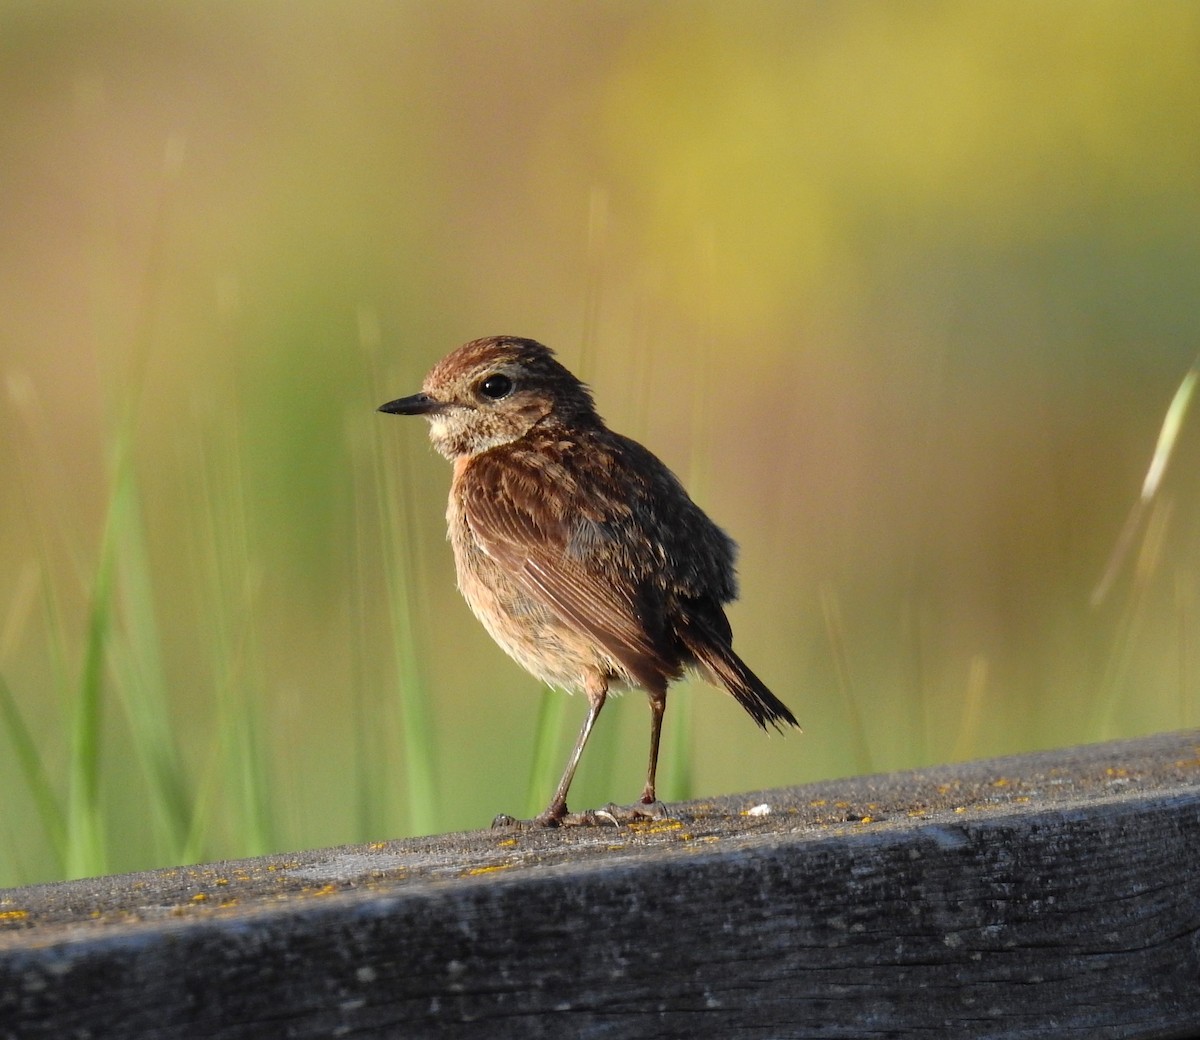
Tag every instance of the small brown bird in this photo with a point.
(577, 548)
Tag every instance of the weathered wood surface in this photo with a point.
(1049, 895)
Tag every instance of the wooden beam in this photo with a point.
(1047, 895)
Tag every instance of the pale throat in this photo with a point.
(454, 434)
(457, 433)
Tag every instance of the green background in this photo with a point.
(902, 291)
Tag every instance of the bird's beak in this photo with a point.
(418, 404)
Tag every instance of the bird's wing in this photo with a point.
(564, 557)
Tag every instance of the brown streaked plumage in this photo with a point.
(577, 548)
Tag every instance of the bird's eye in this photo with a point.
(496, 386)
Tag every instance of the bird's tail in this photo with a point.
(722, 667)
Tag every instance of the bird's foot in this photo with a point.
(637, 811)
(609, 816)
(617, 815)
(553, 816)
(503, 821)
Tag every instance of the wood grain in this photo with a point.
(1048, 895)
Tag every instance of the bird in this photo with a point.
(579, 550)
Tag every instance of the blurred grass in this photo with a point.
(86, 848)
(418, 738)
(46, 808)
(901, 290)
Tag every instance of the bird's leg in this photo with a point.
(555, 814)
(658, 705)
(648, 806)
(597, 690)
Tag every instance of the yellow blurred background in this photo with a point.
(901, 290)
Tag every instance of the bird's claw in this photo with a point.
(637, 811)
(610, 815)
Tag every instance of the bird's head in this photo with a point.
(494, 391)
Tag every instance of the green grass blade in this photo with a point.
(416, 715)
(239, 688)
(1172, 421)
(33, 769)
(85, 826)
(138, 667)
(835, 630)
(678, 774)
(1163, 449)
(546, 749)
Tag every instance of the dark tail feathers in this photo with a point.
(722, 667)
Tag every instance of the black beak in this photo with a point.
(418, 404)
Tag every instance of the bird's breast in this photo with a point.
(523, 626)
